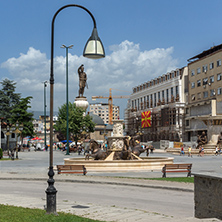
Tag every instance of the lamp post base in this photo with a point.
(51, 194)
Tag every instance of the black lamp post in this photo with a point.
(45, 85)
(67, 98)
(93, 49)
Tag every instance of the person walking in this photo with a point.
(189, 152)
(216, 150)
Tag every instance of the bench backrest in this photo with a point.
(178, 166)
(70, 167)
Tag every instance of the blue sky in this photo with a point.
(143, 39)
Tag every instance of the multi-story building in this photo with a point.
(204, 109)
(165, 96)
(102, 110)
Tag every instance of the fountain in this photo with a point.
(112, 164)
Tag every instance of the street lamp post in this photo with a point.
(18, 129)
(67, 99)
(93, 49)
(45, 85)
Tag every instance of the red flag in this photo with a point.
(146, 119)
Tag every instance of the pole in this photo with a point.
(45, 84)
(51, 190)
(67, 105)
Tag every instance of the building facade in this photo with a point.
(165, 97)
(102, 110)
(204, 108)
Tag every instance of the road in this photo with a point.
(85, 198)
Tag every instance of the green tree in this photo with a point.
(77, 122)
(8, 98)
(20, 114)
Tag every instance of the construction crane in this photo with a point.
(110, 102)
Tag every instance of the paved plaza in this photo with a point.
(104, 196)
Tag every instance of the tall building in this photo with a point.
(102, 110)
(204, 109)
(165, 98)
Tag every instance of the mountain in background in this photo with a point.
(36, 114)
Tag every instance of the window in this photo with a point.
(164, 78)
(205, 81)
(178, 73)
(212, 92)
(187, 110)
(177, 91)
(219, 91)
(192, 85)
(173, 75)
(204, 68)
(193, 97)
(187, 122)
(154, 99)
(198, 95)
(162, 94)
(158, 95)
(192, 72)
(219, 77)
(198, 83)
(198, 70)
(171, 90)
(167, 95)
(218, 63)
(211, 65)
(159, 80)
(205, 94)
(211, 79)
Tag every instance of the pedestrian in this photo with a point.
(182, 151)
(202, 151)
(216, 150)
(189, 151)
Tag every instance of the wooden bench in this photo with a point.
(71, 169)
(176, 168)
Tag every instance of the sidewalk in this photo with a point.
(32, 167)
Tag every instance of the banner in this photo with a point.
(146, 119)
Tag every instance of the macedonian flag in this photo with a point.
(146, 119)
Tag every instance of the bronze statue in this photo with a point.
(82, 80)
(202, 140)
(96, 152)
(219, 141)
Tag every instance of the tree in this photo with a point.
(13, 108)
(77, 122)
(8, 98)
(20, 114)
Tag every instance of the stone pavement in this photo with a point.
(33, 166)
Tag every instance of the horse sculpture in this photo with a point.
(135, 147)
(96, 152)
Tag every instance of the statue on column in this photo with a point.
(82, 80)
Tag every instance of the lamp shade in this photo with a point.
(94, 48)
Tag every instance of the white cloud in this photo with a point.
(125, 67)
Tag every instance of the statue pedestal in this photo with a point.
(116, 141)
(81, 102)
(213, 127)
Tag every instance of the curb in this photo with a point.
(106, 182)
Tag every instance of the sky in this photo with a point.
(142, 39)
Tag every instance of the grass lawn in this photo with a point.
(176, 179)
(2, 159)
(20, 214)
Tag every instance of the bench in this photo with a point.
(71, 169)
(176, 168)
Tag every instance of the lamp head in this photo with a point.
(94, 48)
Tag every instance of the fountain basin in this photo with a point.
(147, 163)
